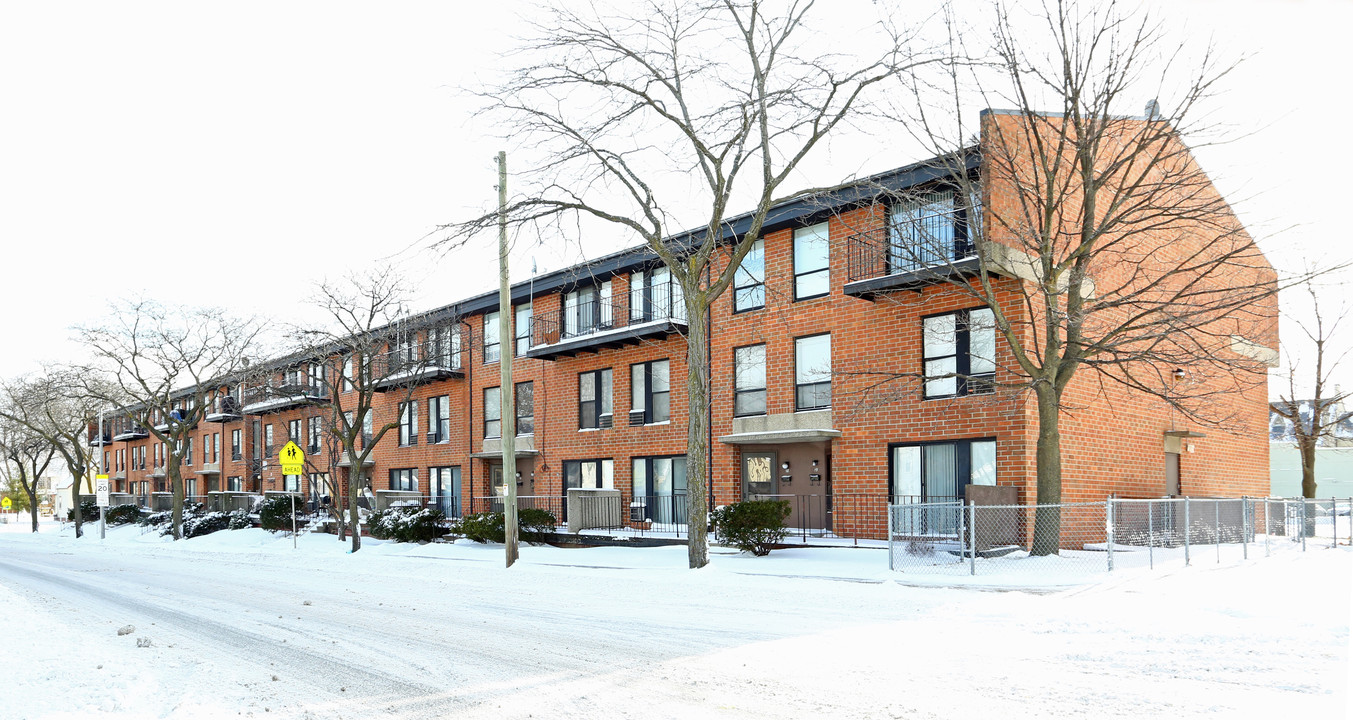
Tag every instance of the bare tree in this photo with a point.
(732, 95)
(164, 367)
(26, 455)
(54, 407)
(1098, 243)
(370, 348)
(1313, 404)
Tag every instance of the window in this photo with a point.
(366, 428)
(348, 375)
(233, 484)
(813, 372)
(588, 310)
(493, 413)
(649, 396)
(938, 472)
(236, 452)
(267, 439)
(525, 406)
(590, 474)
(521, 330)
(188, 452)
(959, 353)
(439, 419)
(928, 230)
(404, 479)
(444, 487)
(316, 377)
(141, 452)
(445, 346)
(257, 451)
(291, 483)
(294, 431)
(749, 282)
(316, 433)
(654, 296)
(812, 276)
(594, 399)
(749, 380)
(408, 423)
(658, 491)
(491, 345)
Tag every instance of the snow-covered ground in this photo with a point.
(241, 625)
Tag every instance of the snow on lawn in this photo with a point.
(443, 630)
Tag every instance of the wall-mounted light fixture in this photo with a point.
(784, 465)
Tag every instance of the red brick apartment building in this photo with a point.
(818, 312)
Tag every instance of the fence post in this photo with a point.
(1334, 522)
(1268, 526)
(972, 531)
(891, 520)
(1244, 528)
(1186, 531)
(1303, 524)
(1108, 530)
(1151, 534)
(1216, 526)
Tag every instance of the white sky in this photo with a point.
(234, 154)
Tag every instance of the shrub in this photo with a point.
(89, 511)
(533, 525)
(275, 513)
(156, 519)
(240, 520)
(407, 524)
(197, 525)
(752, 525)
(121, 514)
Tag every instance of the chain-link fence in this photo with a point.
(1071, 540)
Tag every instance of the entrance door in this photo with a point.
(758, 475)
(1171, 473)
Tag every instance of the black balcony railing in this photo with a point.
(276, 396)
(888, 251)
(413, 365)
(594, 315)
(226, 407)
(126, 429)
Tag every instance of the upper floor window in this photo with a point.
(267, 439)
(749, 380)
(348, 377)
(405, 479)
(959, 353)
(493, 413)
(491, 335)
(588, 310)
(650, 398)
(749, 282)
(408, 423)
(926, 231)
(316, 433)
(188, 452)
(294, 430)
(812, 272)
(525, 405)
(236, 450)
(521, 329)
(594, 399)
(813, 372)
(444, 345)
(439, 419)
(655, 296)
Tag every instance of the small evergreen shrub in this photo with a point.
(407, 524)
(240, 520)
(752, 525)
(121, 514)
(198, 525)
(156, 519)
(89, 512)
(533, 526)
(275, 513)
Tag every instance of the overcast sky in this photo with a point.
(236, 153)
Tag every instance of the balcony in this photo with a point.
(396, 370)
(124, 430)
(603, 323)
(225, 409)
(97, 440)
(282, 396)
(889, 258)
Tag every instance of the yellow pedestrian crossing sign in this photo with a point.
(292, 459)
(6, 504)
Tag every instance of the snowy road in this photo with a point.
(444, 631)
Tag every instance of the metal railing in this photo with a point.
(300, 391)
(425, 356)
(1072, 540)
(883, 251)
(597, 315)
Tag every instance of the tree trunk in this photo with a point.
(697, 430)
(75, 503)
(1307, 448)
(32, 491)
(1048, 520)
(355, 477)
(176, 487)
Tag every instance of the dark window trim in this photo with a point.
(413, 477)
(965, 383)
(962, 461)
(517, 407)
(963, 244)
(765, 359)
(797, 385)
(648, 391)
(597, 386)
(794, 264)
(737, 310)
(484, 342)
(485, 414)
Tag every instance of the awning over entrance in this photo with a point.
(776, 437)
(782, 428)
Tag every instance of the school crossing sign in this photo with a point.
(291, 459)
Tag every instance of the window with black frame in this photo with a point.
(812, 262)
(316, 434)
(525, 405)
(959, 353)
(493, 413)
(408, 423)
(813, 372)
(749, 380)
(937, 472)
(492, 347)
(658, 489)
(521, 328)
(929, 230)
(650, 392)
(405, 479)
(439, 419)
(444, 487)
(594, 399)
(749, 281)
(654, 296)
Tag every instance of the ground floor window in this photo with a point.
(592, 474)
(445, 488)
(291, 483)
(190, 488)
(319, 490)
(234, 484)
(658, 489)
(938, 471)
(404, 479)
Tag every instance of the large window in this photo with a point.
(234, 484)
(812, 276)
(926, 231)
(749, 282)
(959, 353)
(594, 399)
(236, 450)
(444, 343)
(268, 448)
(404, 479)
(813, 372)
(316, 433)
(521, 329)
(588, 310)
(749, 380)
(493, 413)
(439, 419)
(294, 431)
(525, 405)
(408, 423)
(658, 489)
(492, 347)
(653, 296)
(938, 472)
(650, 398)
(590, 474)
(444, 486)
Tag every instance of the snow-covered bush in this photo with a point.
(407, 524)
(751, 525)
(275, 513)
(533, 524)
(89, 511)
(240, 520)
(124, 514)
(196, 525)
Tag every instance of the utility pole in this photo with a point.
(103, 511)
(507, 347)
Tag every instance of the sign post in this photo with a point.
(292, 460)
(101, 493)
